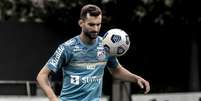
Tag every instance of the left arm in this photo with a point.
(121, 73)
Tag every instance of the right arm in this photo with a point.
(53, 65)
(44, 83)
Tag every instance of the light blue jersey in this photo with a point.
(83, 69)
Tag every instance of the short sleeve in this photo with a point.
(112, 62)
(57, 59)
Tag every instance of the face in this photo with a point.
(91, 26)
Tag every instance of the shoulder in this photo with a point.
(71, 42)
(67, 45)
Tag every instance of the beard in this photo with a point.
(91, 35)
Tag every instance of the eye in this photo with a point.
(98, 24)
(90, 24)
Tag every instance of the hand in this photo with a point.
(143, 84)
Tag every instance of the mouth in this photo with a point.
(93, 35)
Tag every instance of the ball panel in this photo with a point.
(127, 40)
(107, 48)
(115, 38)
(120, 50)
(105, 35)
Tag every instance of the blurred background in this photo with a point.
(164, 34)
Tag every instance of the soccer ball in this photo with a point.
(116, 42)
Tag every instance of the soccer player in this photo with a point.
(82, 60)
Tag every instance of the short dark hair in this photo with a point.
(93, 10)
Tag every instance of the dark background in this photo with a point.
(165, 39)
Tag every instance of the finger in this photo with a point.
(140, 84)
(147, 87)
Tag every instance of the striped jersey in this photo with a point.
(83, 68)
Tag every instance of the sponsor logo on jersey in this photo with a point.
(56, 56)
(77, 49)
(91, 79)
(88, 65)
(76, 80)
(70, 42)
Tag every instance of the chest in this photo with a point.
(83, 54)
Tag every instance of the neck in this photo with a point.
(86, 40)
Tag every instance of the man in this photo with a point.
(82, 60)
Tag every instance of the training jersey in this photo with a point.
(83, 68)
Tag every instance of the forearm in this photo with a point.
(123, 74)
(44, 83)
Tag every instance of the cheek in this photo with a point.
(99, 27)
(87, 28)
(84, 27)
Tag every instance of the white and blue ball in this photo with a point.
(116, 42)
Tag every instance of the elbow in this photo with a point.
(38, 78)
(114, 74)
(42, 75)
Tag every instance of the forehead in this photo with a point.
(93, 19)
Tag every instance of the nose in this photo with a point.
(96, 29)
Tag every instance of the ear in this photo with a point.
(80, 22)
